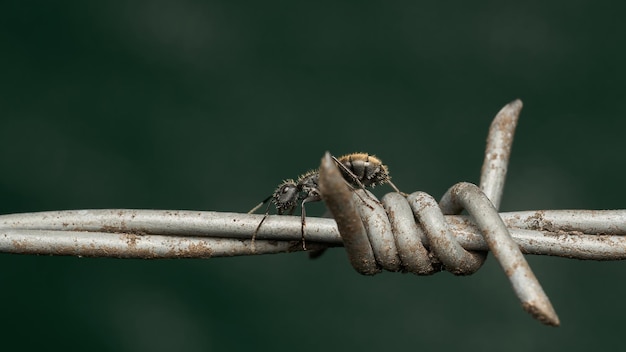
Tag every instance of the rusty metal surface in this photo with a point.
(410, 239)
(130, 245)
(338, 199)
(442, 242)
(498, 151)
(505, 250)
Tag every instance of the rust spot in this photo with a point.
(20, 246)
(537, 314)
(196, 250)
(538, 222)
(130, 239)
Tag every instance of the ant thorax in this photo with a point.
(309, 189)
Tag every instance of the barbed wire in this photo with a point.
(410, 233)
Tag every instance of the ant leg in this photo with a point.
(360, 197)
(256, 231)
(396, 188)
(312, 198)
(356, 180)
(303, 226)
(260, 205)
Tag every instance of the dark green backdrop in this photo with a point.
(208, 105)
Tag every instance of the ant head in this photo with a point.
(286, 196)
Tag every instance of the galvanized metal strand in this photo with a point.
(131, 245)
(577, 234)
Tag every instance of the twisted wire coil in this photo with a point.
(370, 235)
(386, 236)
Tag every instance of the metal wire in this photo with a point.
(116, 233)
(376, 235)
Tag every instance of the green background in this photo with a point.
(209, 105)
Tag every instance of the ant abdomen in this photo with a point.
(364, 170)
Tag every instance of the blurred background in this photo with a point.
(209, 105)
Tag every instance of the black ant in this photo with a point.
(360, 170)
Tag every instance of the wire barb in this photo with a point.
(498, 151)
(445, 249)
(338, 199)
(534, 300)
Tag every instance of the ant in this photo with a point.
(360, 170)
